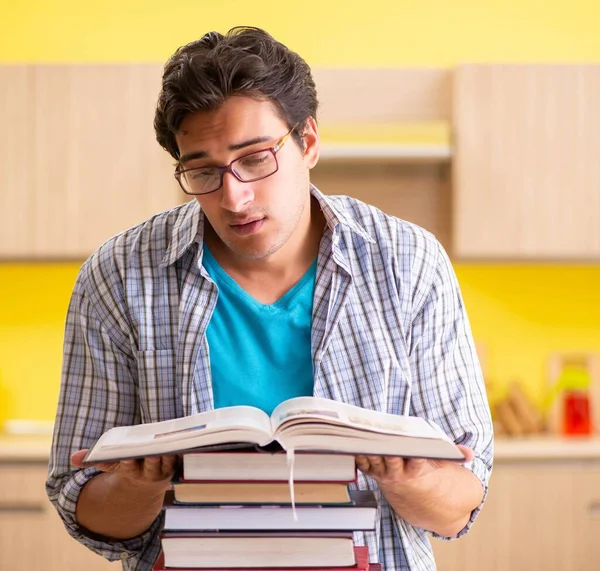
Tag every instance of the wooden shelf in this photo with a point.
(417, 153)
(407, 141)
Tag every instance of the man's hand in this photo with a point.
(126, 498)
(153, 472)
(432, 494)
(392, 470)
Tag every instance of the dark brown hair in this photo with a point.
(201, 75)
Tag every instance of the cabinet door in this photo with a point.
(16, 142)
(32, 536)
(526, 170)
(587, 525)
(22, 533)
(81, 163)
(540, 515)
(66, 553)
(485, 546)
(419, 193)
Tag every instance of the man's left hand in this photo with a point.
(437, 495)
(393, 470)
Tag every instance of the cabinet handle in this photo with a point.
(594, 509)
(14, 508)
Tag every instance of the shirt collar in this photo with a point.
(189, 225)
(188, 230)
(336, 215)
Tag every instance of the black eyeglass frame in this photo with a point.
(228, 168)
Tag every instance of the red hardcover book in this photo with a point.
(361, 555)
(375, 567)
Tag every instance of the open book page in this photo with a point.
(220, 426)
(302, 410)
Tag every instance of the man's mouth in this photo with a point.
(247, 227)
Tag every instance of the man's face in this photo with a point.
(253, 219)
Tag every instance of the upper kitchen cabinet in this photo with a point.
(78, 158)
(526, 162)
(498, 161)
(385, 139)
(79, 162)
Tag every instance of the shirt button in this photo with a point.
(125, 555)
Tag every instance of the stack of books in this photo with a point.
(234, 510)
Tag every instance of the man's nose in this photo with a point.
(235, 194)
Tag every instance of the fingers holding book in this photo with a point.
(433, 494)
(388, 469)
(150, 470)
(381, 468)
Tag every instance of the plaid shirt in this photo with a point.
(389, 333)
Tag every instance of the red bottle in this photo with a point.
(576, 413)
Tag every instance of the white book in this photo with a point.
(359, 514)
(262, 550)
(259, 466)
(302, 424)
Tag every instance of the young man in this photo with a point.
(262, 289)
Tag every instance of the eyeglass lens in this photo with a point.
(246, 169)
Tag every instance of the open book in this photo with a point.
(300, 424)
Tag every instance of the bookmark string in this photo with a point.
(290, 464)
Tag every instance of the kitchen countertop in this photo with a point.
(32, 448)
(27, 448)
(547, 447)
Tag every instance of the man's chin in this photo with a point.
(257, 251)
(248, 254)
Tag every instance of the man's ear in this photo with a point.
(312, 143)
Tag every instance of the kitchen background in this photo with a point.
(521, 312)
(526, 310)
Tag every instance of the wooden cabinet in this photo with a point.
(393, 153)
(539, 515)
(419, 193)
(523, 178)
(526, 171)
(81, 162)
(542, 513)
(519, 178)
(32, 535)
(78, 160)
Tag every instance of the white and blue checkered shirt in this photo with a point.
(389, 333)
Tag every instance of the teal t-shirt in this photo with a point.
(260, 354)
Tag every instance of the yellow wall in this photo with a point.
(34, 300)
(522, 314)
(519, 313)
(325, 32)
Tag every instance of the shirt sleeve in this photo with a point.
(98, 391)
(447, 382)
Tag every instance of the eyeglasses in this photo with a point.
(249, 168)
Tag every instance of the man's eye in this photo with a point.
(255, 160)
(201, 174)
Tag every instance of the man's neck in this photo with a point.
(270, 278)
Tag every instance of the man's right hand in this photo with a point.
(125, 499)
(151, 471)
